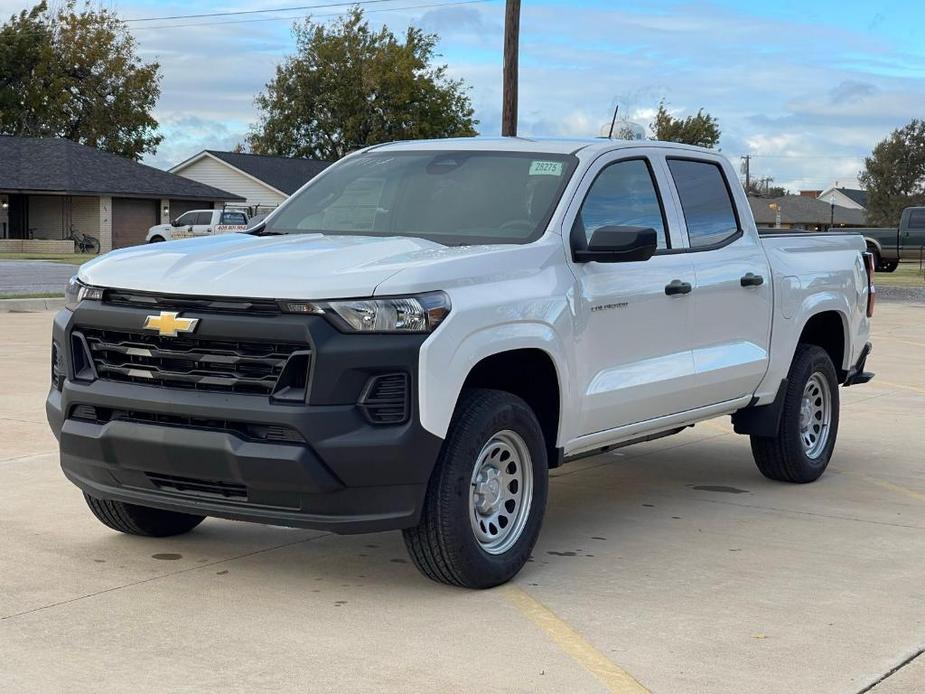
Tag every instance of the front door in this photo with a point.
(732, 298)
(202, 225)
(633, 359)
(912, 234)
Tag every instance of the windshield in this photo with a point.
(453, 198)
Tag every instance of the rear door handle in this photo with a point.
(749, 279)
(678, 287)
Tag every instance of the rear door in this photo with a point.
(632, 355)
(732, 297)
(202, 226)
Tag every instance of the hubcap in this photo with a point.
(815, 415)
(500, 492)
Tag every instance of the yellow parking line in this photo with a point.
(915, 389)
(574, 644)
(887, 485)
(905, 342)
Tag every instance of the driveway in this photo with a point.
(34, 276)
(671, 566)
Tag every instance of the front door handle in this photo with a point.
(678, 287)
(750, 279)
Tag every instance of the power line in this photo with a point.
(807, 156)
(284, 19)
(242, 12)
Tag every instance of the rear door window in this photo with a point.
(705, 201)
(203, 219)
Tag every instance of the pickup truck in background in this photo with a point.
(889, 246)
(198, 223)
(413, 340)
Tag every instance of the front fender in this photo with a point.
(445, 365)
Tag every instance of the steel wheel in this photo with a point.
(500, 492)
(815, 415)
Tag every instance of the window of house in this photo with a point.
(623, 194)
(705, 200)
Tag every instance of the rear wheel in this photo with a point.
(141, 520)
(888, 266)
(487, 495)
(809, 421)
(156, 239)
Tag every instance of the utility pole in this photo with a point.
(747, 162)
(511, 50)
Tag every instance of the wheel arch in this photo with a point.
(828, 329)
(530, 374)
(872, 242)
(478, 360)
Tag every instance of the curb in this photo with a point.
(31, 305)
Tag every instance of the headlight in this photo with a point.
(76, 291)
(421, 313)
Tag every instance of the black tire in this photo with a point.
(141, 520)
(443, 545)
(156, 239)
(784, 457)
(888, 266)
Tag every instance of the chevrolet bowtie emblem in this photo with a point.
(168, 324)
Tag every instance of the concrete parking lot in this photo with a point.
(671, 566)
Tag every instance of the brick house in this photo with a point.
(50, 186)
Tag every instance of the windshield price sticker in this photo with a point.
(546, 168)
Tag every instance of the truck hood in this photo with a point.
(298, 266)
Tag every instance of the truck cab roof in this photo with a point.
(590, 146)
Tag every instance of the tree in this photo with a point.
(348, 86)
(762, 188)
(75, 74)
(701, 129)
(894, 174)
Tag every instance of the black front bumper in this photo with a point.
(345, 474)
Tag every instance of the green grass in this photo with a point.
(70, 258)
(906, 275)
(36, 295)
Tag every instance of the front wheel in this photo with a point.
(156, 239)
(808, 424)
(487, 495)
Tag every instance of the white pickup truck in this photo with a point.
(420, 333)
(198, 223)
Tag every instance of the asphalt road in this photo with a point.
(34, 276)
(671, 566)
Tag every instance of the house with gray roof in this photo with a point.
(852, 198)
(802, 212)
(263, 181)
(50, 187)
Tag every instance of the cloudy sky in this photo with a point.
(807, 88)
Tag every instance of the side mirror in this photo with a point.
(613, 244)
(173, 223)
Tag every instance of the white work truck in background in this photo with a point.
(198, 223)
(419, 334)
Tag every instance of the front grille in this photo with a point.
(250, 307)
(264, 433)
(386, 399)
(194, 487)
(192, 362)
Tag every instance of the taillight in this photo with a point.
(871, 288)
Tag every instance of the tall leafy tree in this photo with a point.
(894, 174)
(348, 86)
(75, 73)
(701, 129)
